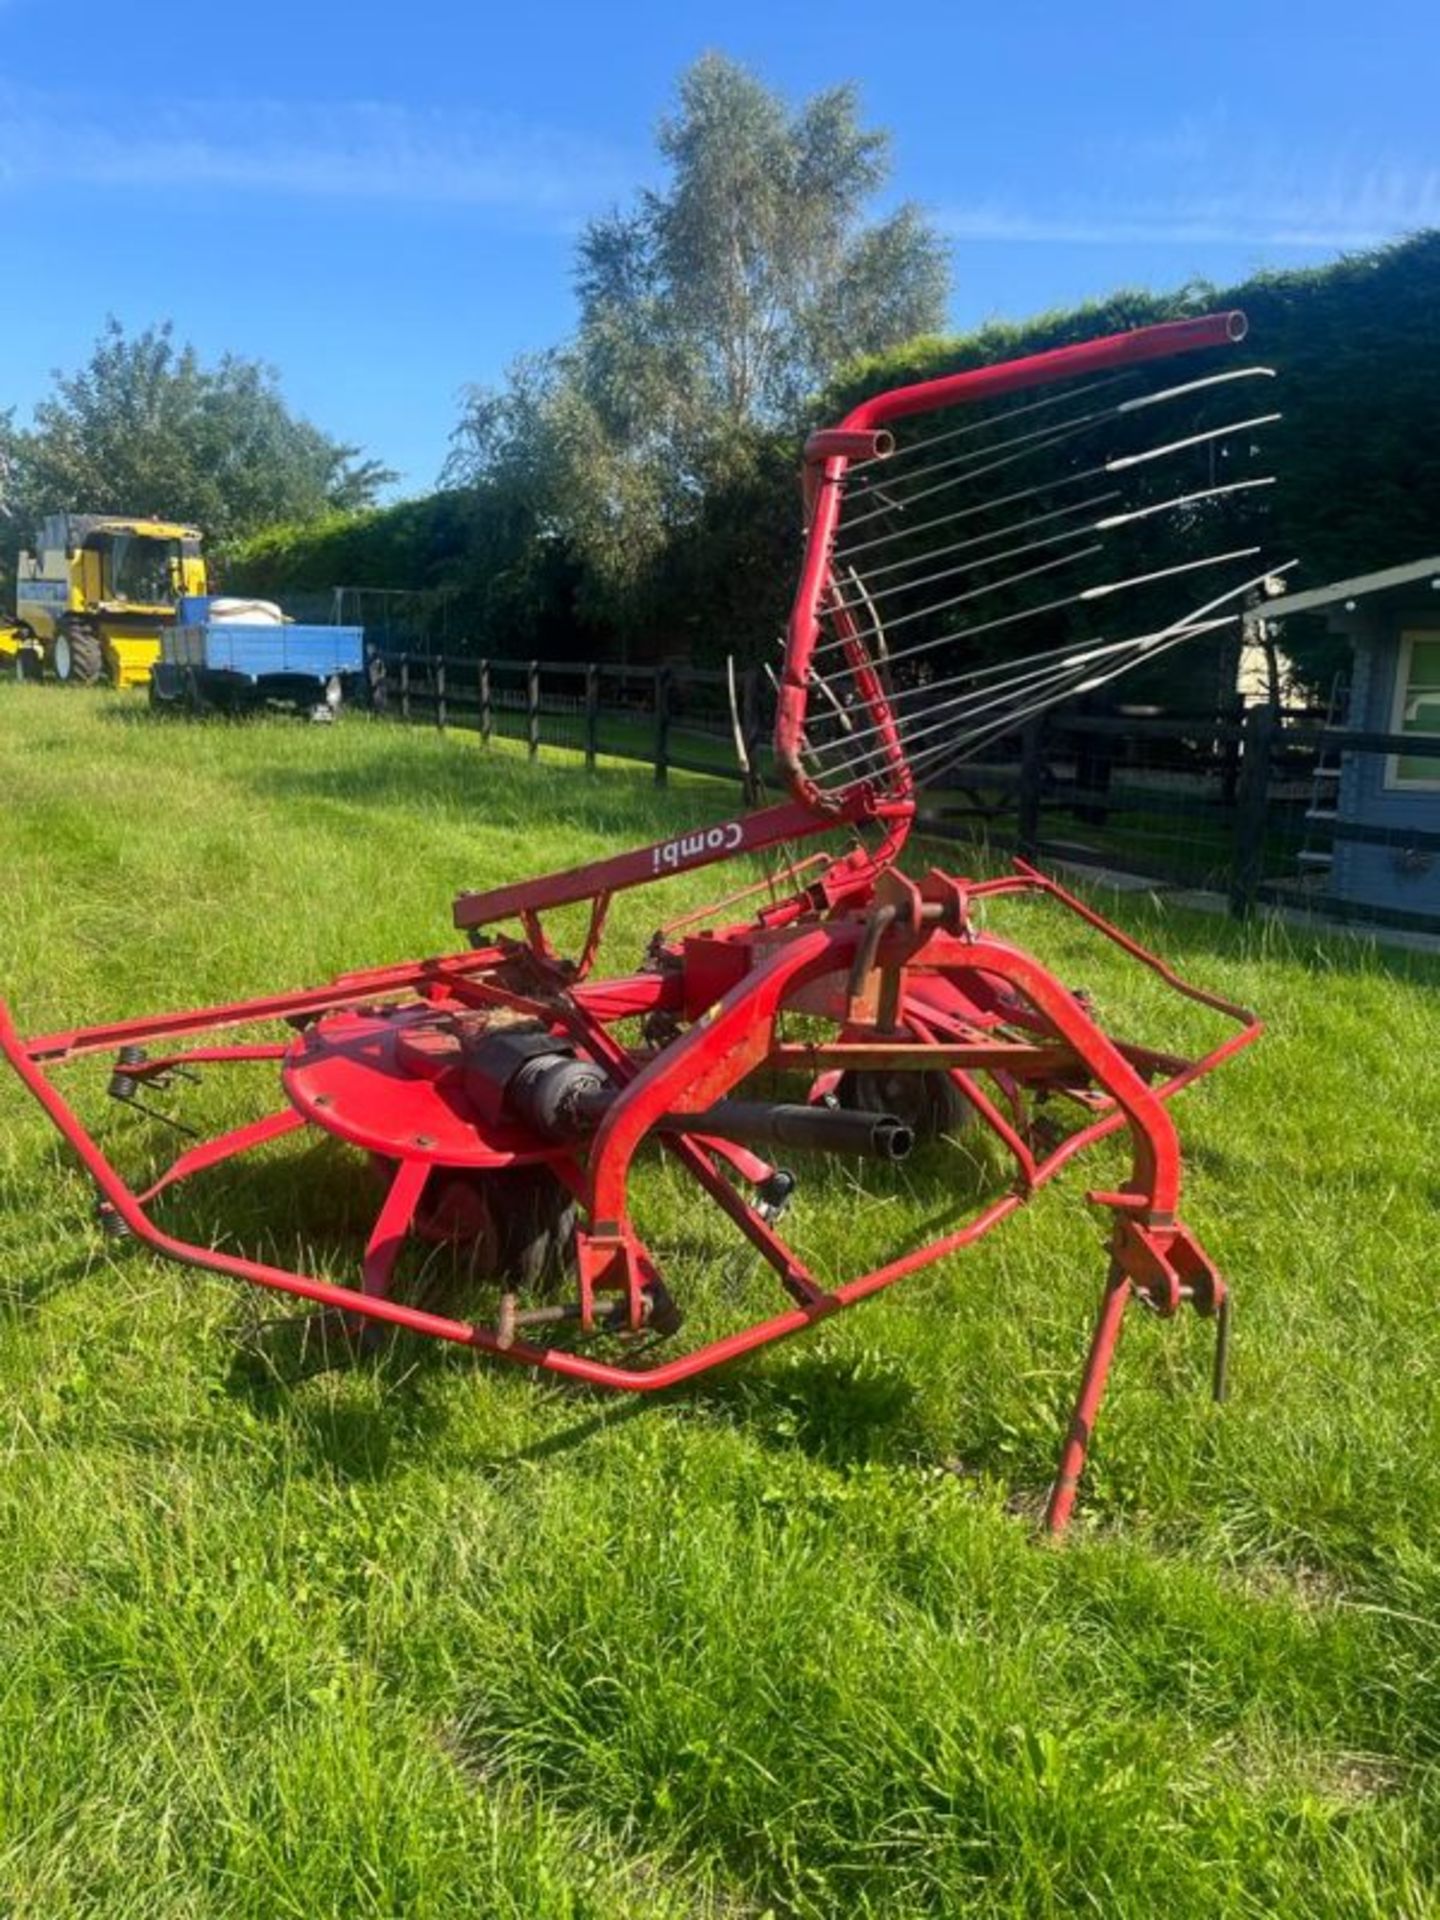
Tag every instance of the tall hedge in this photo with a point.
(1357, 345)
(1357, 348)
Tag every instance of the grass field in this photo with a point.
(419, 1636)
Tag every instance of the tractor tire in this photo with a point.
(78, 656)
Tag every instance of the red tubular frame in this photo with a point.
(1152, 1254)
(898, 965)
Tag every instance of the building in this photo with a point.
(1377, 790)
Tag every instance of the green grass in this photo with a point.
(422, 1636)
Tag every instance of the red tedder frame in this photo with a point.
(394, 1060)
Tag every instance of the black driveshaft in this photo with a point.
(561, 1096)
(757, 1123)
(879, 1136)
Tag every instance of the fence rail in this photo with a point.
(1225, 801)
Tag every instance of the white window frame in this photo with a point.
(1395, 782)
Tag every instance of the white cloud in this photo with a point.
(1199, 184)
(357, 150)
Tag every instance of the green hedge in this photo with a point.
(1356, 344)
(1358, 458)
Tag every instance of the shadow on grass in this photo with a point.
(512, 790)
(354, 1404)
(841, 1410)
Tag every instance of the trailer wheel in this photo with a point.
(78, 656)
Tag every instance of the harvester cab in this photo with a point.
(94, 593)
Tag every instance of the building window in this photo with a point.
(1417, 708)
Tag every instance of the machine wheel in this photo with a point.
(78, 656)
(535, 1216)
(520, 1223)
(29, 660)
(930, 1104)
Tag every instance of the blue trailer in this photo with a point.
(236, 656)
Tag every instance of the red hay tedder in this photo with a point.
(977, 548)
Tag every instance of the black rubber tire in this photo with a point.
(930, 1104)
(519, 1223)
(83, 656)
(29, 660)
(535, 1216)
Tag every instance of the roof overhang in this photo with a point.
(1360, 586)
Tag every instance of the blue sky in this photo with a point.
(382, 200)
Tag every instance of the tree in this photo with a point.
(708, 313)
(143, 427)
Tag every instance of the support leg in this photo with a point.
(393, 1225)
(1087, 1404)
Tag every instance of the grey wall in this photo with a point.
(1396, 876)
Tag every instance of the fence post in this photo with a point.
(440, 693)
(592, 715)
(404, 686)
(750, 732)
(1247, 867)
(532, 707)
(1032, 787)
(485, 715)
(662, 725)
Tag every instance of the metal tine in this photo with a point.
(1184, 629)
(1069, 430)
(1143, 400)
(1054, 682)
(1123, 461)
(1108, 523)
(976, 540)
(978, 593)
(1184, 500)
(1052, 671)
(1062, 682)
(995, 586)
(1058, 662)
(998, 419)
(965, 569)
(927, 766)
(1069, 600)
(840, 714)
(966, 513)
(1038, 690)
(980, 540)
(937, 760)
(1115, 465)
(1040, 441)
(1065, 430)
(866, 602)
(1054, 400)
